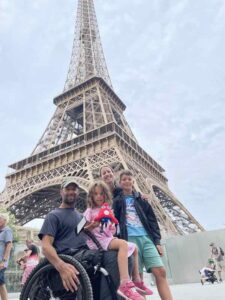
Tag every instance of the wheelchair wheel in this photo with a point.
(44, 283)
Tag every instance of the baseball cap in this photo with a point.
(68, 181)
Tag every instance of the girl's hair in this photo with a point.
(106, 192)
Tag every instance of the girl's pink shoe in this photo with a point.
(128, 291)
(141, 288)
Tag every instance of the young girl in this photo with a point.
(98, 195)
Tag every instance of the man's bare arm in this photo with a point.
(7, 251)
(67, 272)
(6, 254)
(49, 251)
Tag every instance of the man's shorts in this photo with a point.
(2, 276)
(148, 255)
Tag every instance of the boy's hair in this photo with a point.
(105, 189)
(126, 173)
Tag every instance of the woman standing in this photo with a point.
(107, 175)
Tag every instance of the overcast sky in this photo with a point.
(166, 61)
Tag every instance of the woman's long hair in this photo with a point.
(108, 166)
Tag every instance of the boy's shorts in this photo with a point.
(148, 255)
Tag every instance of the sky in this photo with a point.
(166, 62)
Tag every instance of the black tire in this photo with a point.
(44, 283)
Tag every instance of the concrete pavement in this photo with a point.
(184, 292)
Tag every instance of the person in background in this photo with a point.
(217, 254)
(6, 239)
(21, 263)
(28, 262)
(138, 224)
(31, 245)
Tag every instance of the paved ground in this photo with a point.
(184, 292)
(195, 292)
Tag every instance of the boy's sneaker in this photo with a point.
(141, 288)
(128, 291)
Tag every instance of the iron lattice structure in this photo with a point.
(89, 130)
(87, 58)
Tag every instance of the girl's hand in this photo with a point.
(113, 228)
(92, 225)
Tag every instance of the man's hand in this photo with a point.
(160, 250)
(67, 272)
(2, 266)
(69, 276)
(92, 225)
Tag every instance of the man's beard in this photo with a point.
(69, 200)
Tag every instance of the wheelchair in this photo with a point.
(44, 283)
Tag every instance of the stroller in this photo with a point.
(208, 273)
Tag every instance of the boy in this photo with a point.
(138, 224)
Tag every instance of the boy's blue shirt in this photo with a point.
(133, 222)
(144, 212)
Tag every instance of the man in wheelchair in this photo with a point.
(62, 275)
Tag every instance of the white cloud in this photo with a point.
(7, 11)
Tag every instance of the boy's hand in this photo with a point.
(92, 225)
(160, 249)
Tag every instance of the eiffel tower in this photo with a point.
(88, 130)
